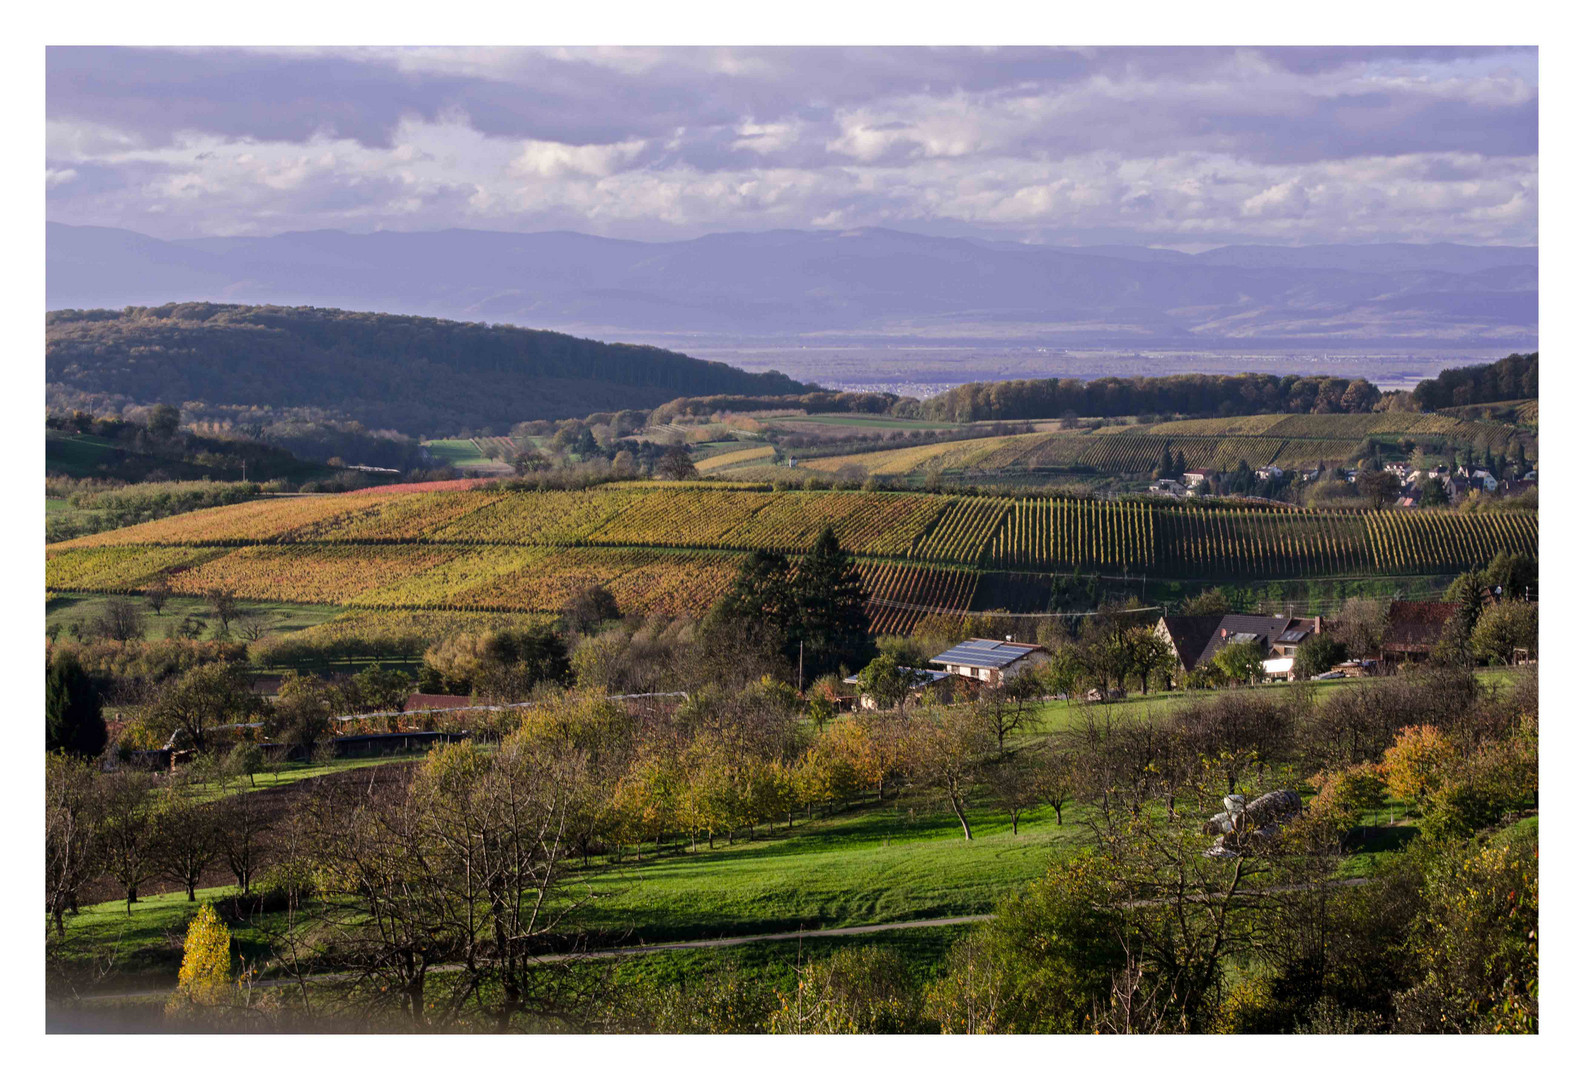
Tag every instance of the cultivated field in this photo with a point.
(1289, 441)
(672, 549)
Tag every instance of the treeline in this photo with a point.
(1509, 379)
(411, 374)
(1186, 395)
(818, 402)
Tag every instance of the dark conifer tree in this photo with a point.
(831, 622)
(761, 594)
(72, 718)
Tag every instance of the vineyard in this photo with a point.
(753, 455)
(1290, 441)
(672, 549)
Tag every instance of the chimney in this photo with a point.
(1317, 624)
(1009, 637)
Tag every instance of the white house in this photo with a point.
(1269, 472)
(988, 660)
(1168, 487)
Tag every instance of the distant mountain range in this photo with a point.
(860, 285)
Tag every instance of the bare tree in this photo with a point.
(1012, 786)
(223, 603)
(128, 806)
(946, 752)
(157, 593)
(253, 625)
(186, 837)
(73, 846)
(121, 620)
(1051, 775)
(239, 828)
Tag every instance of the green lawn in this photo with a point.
(458, 453)
(77, 455)
(774, 963)
(64, 609)
(127, 950)
(906, 860)
(872, 864)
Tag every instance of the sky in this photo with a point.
(1178, 147)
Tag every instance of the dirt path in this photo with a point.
(617, 953)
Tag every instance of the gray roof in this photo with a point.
(1259, 629)
(986, 653)
(921, 676)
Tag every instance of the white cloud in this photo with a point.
(553, 160)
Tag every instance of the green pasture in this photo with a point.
(63, 609)
(77, 455)
(458, 453)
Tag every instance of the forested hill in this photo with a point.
(1512, 378)
(417, 375)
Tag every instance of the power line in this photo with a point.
(933, 610)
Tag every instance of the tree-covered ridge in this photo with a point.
(1509, 379)
(417, 375)
(1190, 395)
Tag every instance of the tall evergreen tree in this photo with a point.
(72, 718)
(1180, 466)
(831, 623)
(761, 594)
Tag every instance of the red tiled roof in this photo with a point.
(416, 702)
(1416, 624)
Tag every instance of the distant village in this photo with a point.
(1405, 486)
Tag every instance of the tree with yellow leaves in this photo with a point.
(205, 979)
(1418, 762)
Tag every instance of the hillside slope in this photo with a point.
(412, 374)
(673, 549)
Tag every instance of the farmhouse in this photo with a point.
(1413, 627)
(988, 660)
(1195, 639)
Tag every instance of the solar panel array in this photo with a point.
(984, 652)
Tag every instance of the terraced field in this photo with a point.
(672, 549)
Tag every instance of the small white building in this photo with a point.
(1168, 487)
(988, 660)
(1269, 472)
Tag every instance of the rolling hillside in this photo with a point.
(1290, 441)
(412, 374)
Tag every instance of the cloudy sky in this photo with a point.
(1188, 148)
